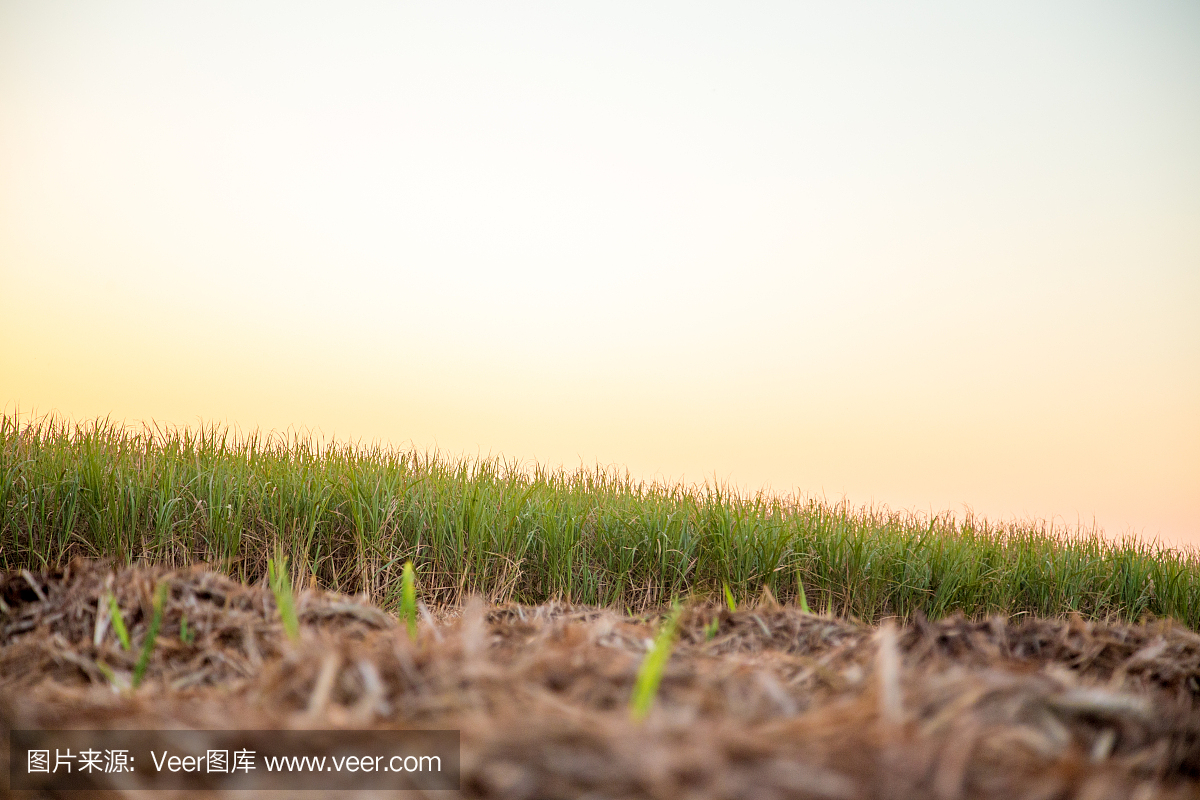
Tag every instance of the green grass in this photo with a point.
(117, 621)
(408, 599)
(351, 516)
(645, 687)
(281, 587)
(160, 600)
(801, 597)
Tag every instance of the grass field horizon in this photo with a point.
(348, 516)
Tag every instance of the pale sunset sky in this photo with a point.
(928, 256)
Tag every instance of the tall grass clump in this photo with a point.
(349, 516)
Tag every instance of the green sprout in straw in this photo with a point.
(160, 600)
(408, 600)
(281, 587)
(729, 601)
(803, 597)
(109, 675)
(645, 688)
(118, 623)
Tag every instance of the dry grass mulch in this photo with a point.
(774, 703)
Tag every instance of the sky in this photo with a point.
(934, 257)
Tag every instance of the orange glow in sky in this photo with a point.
(929, 256)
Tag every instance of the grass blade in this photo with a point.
(111, 676)
(645, 688)
(729, 601)
(801, 596)
(160, 600)
(281, 587)
(408, 600)
(118, 622)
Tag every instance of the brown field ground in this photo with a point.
(775, 703)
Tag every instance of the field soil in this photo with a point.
(764, 702)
